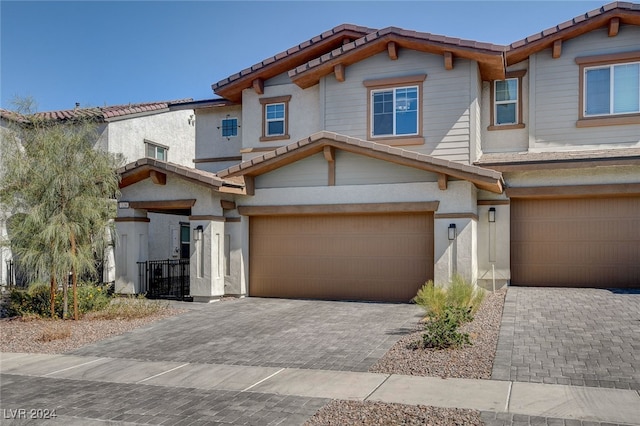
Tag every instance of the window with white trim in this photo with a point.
(157, 151)
(274, 119)
(611, 89)
(395, 111)
(506, 101)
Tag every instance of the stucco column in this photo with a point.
(207, 260)
(131, 247)
(458, 255)
(494, 242)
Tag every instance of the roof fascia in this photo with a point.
(231, 88)
(522, 49)
(292, 153)
(491, 62)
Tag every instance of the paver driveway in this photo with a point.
(582, 337)
(269, 332)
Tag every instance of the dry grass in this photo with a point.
(128, 308)
(56, 330)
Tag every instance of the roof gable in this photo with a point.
(489, 56)
(232, 86)
(482, 178)
(611, 14)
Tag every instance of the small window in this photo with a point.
(157, 151)
(506, 102)
(229, 127)
(185, 238)
(275, 118)
(395, 111)
(609, 89)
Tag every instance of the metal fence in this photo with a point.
(165, 279)
(17, 278)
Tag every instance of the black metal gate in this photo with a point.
(165, 279)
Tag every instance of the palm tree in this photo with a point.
(64, 191)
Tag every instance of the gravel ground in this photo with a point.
(17, 335)
(469, 362)
(379, 413)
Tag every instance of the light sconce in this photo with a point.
(452, 232)
(492, 214)
(197, 233)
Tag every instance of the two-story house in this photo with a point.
(375, 160)
(159, 130)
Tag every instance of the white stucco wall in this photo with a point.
(171, 129)
(209, 141)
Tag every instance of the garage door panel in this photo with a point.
(590, 242)
(349, 257)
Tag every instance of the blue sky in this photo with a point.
(118, 52)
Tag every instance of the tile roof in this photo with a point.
(488, 179)
(628, 12)
(108, 112)
(12, 116)
(440, 43)
(536, 158)
(270, 66)
(138, 170)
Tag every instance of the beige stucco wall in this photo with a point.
(209, 140)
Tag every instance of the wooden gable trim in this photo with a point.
(132, 219)
(442, 181)
(338, 70)
(227, 205)
(448, 61)
(614, 27)
(157, 177)
(556, 50)
(392, 50)
(330, 156)
(258, 86)
(163, 204)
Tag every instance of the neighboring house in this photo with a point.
(375, 160)
(159, 130)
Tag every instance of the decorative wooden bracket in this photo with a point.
(614, 26)
(448, 60)
(392, 49)
(442, 181)
(157, 177)
(330, 156)
(227, 205)
(249, 185)
(258, 86)
(557, 49)
(338, 70)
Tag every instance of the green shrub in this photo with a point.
(460, 293)
(441, 331)
(431, 298)
(36, 300)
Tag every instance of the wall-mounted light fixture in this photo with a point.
(452, 232)
(197, 233)
(492, 214)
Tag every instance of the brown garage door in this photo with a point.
(384, 257)
(586, 242)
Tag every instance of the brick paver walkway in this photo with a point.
(582, 337)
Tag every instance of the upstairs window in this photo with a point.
(275, 112)
(612, 89)
(609, 89)
(155, 150)
(395, 110)
(229, 127)
(506, 102)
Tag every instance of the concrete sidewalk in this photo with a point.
(531, 399)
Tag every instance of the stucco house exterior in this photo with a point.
(363, 162)
(162, 130)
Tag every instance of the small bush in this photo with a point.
(442, 330)
(131, 308)
(460, 293)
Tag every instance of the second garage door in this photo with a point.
(584, 242)
(380, 257)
